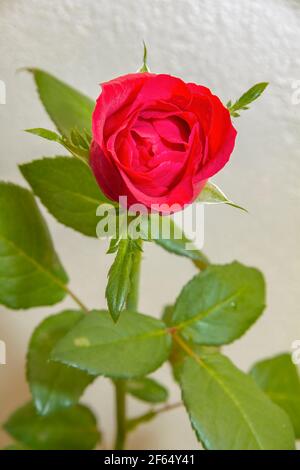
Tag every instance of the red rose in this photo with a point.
(157, 139)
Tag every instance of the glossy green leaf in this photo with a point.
(119, 278)
(30, 271)
(279, 378)
(133, 347)
(53, 386)
(218, 305)
(147, 389)
(68, 108)
(69, 429)
(177, 244)
(211, 194)
(228, 411)
(251, 95)
(68, 189)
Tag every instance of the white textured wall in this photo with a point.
(227, 45)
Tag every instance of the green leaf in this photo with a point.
(228, 411)
(133, 347)
(68, 108)
(68, 189)
(177, 244)
(69, 429)
(46, 134)
(147, 389)
(251, 95)
(144, 67)
(279, 378)
(218, 305)
(82, 153)
(30, 271)
(211, 194)
(119, 278)
(53, 386)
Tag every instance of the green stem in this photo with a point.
(120, 387)
(120, 384)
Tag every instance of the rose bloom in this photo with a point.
(157, 139)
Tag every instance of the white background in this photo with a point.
(227, 45)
